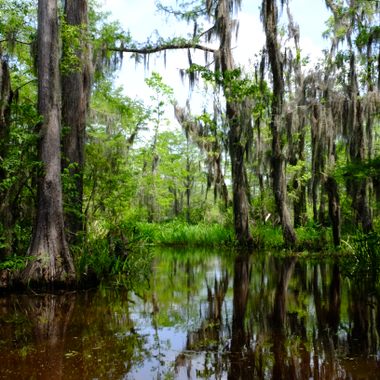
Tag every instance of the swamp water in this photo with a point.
(200, 315)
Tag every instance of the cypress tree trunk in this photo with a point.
(334, 208)
(52, 264)
(6, 216)
(75, 100)
(357, 150)
(188, 184)
(296, 124)
(331, 185)
(299, 204)
(269, 10)
(237, 127)
(5, 102)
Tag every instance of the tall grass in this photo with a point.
(177, 233)
(99, 261)
(267, 236)
(309, 237)
(364, 256)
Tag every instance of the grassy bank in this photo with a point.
(265, 237)
(181, 234)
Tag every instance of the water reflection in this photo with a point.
(203, 315)
(38, 336)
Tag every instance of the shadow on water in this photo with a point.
(203, 315)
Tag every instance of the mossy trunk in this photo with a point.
(6, 215)
(237, 123)
(359, 186)
(75, 101)
(269, 9)
(5, 103)
(334, 208)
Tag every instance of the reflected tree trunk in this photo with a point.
(239, 339)
(242, 272)
(359, 313)
(209, 332)
(333, 316)
(327, 300)
(279, 308)
(50, 316)
(281, 370)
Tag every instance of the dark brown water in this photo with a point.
(202, 316)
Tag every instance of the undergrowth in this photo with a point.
(181, 234)
(101, 261)
(363, 259)
(308, 238)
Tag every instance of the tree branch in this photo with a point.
(16, 41)
(159, 48)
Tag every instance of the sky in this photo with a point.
(142, 20)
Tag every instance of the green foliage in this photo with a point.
(178, 233)
(132, 270)
(236, 86)
(18, 165)
(105, 35)
(14, 263)
(363, 261)
(188, 11)
(101, 260)
(313, 238)
(360, 170)
(195, 235)
(155, 82)
(309, 238)
(73, 40)
(267, 236)
(17, 29)
(109, 184)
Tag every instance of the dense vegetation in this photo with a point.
(87, 174)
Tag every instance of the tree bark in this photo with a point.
(75, 102)
(51, 263)
(334, 208)
(5, 102)
(299, 204)
(278, 161)
(357, 150)
(237, 128)
(6, 216)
